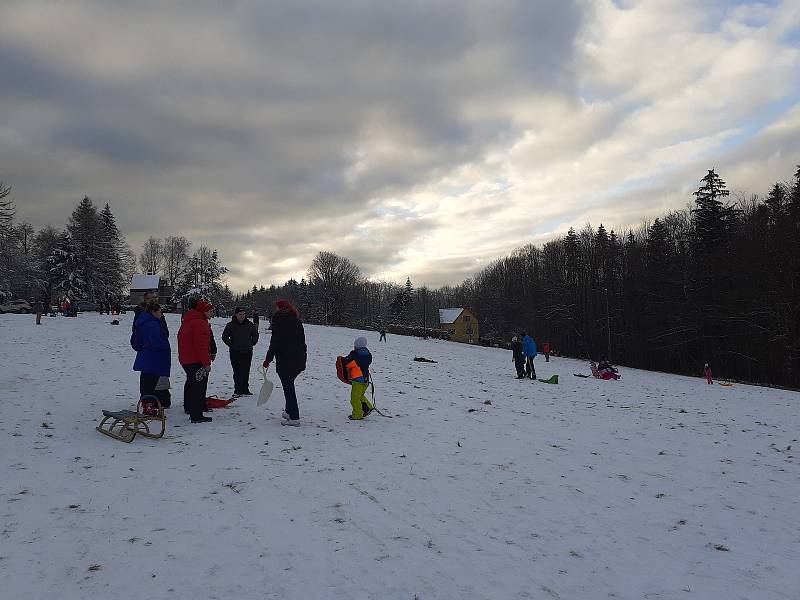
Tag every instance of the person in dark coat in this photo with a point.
(240, 336)
(154, 354)
(147, 298)
(288, 348)
(383, 336)
(194, 353)
(255, 318)
(38, 308)
(518, 357)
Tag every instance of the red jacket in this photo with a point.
(546, 347)
(194, 339)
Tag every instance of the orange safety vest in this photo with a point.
(354, 371)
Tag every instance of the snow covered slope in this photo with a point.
(481, 487)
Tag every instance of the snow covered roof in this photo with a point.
(145, 282)
(449, 315)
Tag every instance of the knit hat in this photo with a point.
(203, 306)
(361, 342)
(286, 306)
(514, 339)
(239, 309)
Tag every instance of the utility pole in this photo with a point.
(608, 327)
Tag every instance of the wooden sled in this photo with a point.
(123, 425)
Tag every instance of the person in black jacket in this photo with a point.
(240, 336)
(288, 348)
(519, 357)
(147, 298)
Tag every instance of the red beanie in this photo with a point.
(204, 306)
(286, 306)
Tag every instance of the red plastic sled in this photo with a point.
(214, 402)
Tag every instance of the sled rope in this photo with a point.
(374, 405)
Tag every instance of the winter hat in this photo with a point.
(203, 306)
(239, 309)
(286, 306)
(514, 339)
(361, 342)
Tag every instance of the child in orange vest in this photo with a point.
(357, 364)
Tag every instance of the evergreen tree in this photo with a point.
(86, 231)
(66, 270)
(712, 218)
(112, 248)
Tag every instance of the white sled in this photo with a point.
(266, 388)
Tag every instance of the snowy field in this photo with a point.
(480, 487)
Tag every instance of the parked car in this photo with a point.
(16, 306)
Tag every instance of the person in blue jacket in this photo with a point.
(357, 364)
(529, 350)
(153, 353)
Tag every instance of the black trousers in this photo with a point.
(194, 392)
(530, 370)
(519, 363)
(241, 361)
(147, 387)
(287, 381)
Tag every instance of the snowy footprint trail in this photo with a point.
(481, 486)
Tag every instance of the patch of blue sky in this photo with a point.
(763, 118)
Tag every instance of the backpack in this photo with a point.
(341, 370)
(136, 341)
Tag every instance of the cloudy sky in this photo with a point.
(419, 139)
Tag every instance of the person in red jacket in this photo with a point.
(546, 351)
(194, 343)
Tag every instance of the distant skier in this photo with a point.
(707, 374)
(529, 350)
(357, 364)
(383, 336)
(240, 336)
(546, 351)
(518, 357)
(153, 356)
(288, 347)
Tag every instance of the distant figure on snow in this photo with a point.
(38, 308)
(255, 318)
(546, 351)
(383, 336)
(529, 350)
(357, 364)
(518, 357)
(707, 374)
(288, 347)
(240, 336)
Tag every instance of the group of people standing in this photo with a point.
(197, 350)
(523, 350)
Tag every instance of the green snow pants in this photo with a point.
(358, 399)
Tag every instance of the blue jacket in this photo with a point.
(363, 358)
(528, 347)
(156, 355)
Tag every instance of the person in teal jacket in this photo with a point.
(529, 350)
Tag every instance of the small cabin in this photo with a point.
(150, 283)
(460, 323)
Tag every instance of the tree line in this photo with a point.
(718, 282)
(88, 259)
